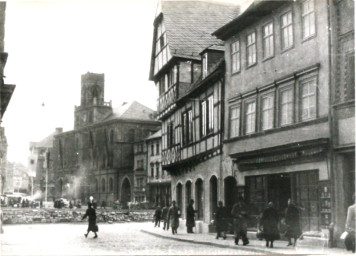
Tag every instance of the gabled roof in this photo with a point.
(133, 110)
(46, 142)
(156, 135)
(189, 25)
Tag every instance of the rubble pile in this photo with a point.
(31, 216)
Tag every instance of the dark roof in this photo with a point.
(133, 110)
(257, 10)
(189, 25)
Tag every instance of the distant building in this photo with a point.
(17, 179)
(140, 171)
(40, 165)
(97, 157)
(158, 179)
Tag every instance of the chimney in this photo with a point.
(59, 130)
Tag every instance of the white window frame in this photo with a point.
(286, 107)
(267, 112)
(205, 65)
(308, 19)
(250, 116)
(235, 121)
(309, 99)
(268, 40)
(235, 57)
(251, 49)
(287, 31)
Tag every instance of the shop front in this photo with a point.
(299, 172)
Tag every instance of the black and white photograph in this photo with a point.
(177, 127)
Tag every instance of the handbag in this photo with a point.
(96, 228)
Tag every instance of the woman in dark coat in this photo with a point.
(292, 222)
(92, 220)
(190, 217)
(173, 217)
(269, 222)
(220, 221)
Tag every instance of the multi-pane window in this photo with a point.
(235, 121)
(250, 117)
(268, 47)
(308, 99)
(157, 170)
(235, 57)
(286, 108)
(207, 115)
(205, 65)
(170, 134)
(267, 111)
(173, 76)
(287, 30)
(152, 170)
(152, 150)
(161, 52)
(308, 18)
(251, 49)
(187, 126)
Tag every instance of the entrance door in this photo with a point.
(230, 191)
(306, 196)
(213, 195)
(199, 198)
(125, 193)
(279, 191)
(188, 192)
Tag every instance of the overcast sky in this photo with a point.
(52, 43)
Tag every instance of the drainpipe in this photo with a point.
(222, 81)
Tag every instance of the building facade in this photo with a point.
(343, 109)
(40, 166)
(278, 137)
(158, 179)
(97, 157)
(189, 74)
(6, 91)
(140, 171)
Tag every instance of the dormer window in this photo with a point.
(162, 53)
(204, 65)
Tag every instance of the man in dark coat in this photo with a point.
(190, 217)
(220, 221)
(165, 217)
(157, 216)
(269, 222)
(173, 217)
(92, 220)
(239, 214)
(292, 222)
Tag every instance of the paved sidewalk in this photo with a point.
(255, 246)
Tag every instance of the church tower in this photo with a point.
(92, 108)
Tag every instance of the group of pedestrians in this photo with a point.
(169, 216)
(268, 223)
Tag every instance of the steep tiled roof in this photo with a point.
(189, 25)
(133, 110)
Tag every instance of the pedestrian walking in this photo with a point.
(239, 214)
(350, 227)
(157, 216)
(190, 223)
(269, 223)
(165, 217)
(173, 217)
(92, 226)
(292, 217)
(220, 221)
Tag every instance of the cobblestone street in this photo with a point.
(114, 239)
